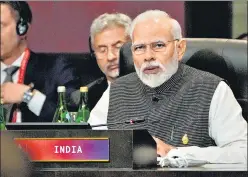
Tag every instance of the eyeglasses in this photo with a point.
(157, 46)
(102, 52)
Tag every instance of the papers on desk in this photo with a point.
(176, 159)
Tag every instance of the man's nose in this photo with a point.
(149, 54)
(112, 55)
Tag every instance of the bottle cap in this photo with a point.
(61, 89)
(83, 89)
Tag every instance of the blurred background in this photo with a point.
(63, 26)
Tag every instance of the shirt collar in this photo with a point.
(109, 82)
(16, 62)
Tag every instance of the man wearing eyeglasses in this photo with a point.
(187, 111)
(108, 33)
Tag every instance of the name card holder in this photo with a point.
(65, 149)
(75, 148)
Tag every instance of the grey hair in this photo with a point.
(108, 20)
(176, 28)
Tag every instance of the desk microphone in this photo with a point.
(132, 121)
(96, 82)
(74, 98)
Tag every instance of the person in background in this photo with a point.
(108, 33)
(29, 80)
(187, 111)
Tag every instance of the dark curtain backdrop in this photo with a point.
(208, 19)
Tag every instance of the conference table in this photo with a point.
(118, 153)
(209, 170)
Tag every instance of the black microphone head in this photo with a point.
(133, 121)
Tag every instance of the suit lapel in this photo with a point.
(30, 71)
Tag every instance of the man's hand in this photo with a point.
(162, 148)
(12, 93)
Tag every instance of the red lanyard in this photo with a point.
(21, 75)
(23, 66)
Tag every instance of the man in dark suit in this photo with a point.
(29, 81)
(108, 32)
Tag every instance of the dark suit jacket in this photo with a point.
(47, 74)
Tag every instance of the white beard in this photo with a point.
(113, 74)
(155, 80)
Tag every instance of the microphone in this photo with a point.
(74, 98)
(96, 82)
(155, 98)
(132, 121)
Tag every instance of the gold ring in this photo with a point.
(2, 101)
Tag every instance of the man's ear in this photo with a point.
(181, 48)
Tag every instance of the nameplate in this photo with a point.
(65, 149)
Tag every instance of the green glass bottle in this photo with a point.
(83, 110)
(2, 118)
(61, 114)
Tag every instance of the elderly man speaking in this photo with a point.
(186, 110)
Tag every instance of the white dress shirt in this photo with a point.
(227, 128)
(36, 103)
(99, 113)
